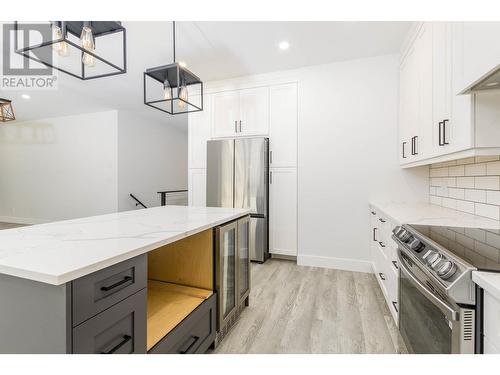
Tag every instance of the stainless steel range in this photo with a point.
(436, 292)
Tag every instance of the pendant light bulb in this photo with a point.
(61, 48)
(183, 94)
(87, 40)
(167, 90)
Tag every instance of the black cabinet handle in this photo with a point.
(412, 145)
(445, 142)
(395, 264)
(440, 132)
(381, 220)
(117, 284)
(192, 340)
(374, 213)
(381, 244)
(240, 126)
(394, 303)
(374, 234)
(404, 156)
(415, 152)
(381, 276)
(271, 157)
(126, 338)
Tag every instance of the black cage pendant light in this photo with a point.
(82, 49)
(172, 88)
(6, 111)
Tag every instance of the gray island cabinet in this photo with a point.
(159, 299)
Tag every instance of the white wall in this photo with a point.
(152, 156)
(58, 168)
(348, 155)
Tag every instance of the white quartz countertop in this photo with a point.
(489, 281)
(429, 214)
(58, 252)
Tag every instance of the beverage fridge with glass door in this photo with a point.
(232, 247)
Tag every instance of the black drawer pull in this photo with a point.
(382, 276)
(375, 234)
(117, 284)
(193, 340)
(126, 338)
(394, 303)
(381, 220)
(395, 264)
(381, 244)
(374, 213)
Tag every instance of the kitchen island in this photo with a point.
(130, 282)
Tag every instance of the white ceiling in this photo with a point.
(212, 50)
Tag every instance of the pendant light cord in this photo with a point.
(173, 26)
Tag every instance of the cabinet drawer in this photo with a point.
(98, 291)
(194, 334)
(121, 329)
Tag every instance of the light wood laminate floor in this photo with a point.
(295, 309)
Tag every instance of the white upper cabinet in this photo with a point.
(226, 113)
(439, 61)
(241, 113)
(481, 50)
(254, 111)
(283, 126)
(199, 128)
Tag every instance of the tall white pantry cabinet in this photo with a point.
(253, 110)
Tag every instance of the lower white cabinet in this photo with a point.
(491, 324)
(283, 211)
(383, 251)
(197, 187)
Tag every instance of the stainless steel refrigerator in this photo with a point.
(237, 176)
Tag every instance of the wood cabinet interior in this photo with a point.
(180, 278)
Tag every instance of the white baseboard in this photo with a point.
(22, 220)
(335, 263)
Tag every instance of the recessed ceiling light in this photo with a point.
(492, 84)
(284, 45)
(25, 96)
(182, 64)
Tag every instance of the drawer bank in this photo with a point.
(162, 301)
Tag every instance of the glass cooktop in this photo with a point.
(479, 247)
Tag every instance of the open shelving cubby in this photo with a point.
(180, 278)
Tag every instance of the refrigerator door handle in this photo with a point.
(271, 177)
(240, 126)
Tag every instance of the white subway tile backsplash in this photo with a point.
(466, 161)
(487, 182)
(449, 203)
(440, 172)
(470, 185)
(493, 197)
(493, 239)
(465, 206)
(493, 168)
(459, 170)
(465, 182)
(475, 195)
(456, 193)
(486, 251)
(477, 234)
(475, 169)
(438, 201)
(487, 210)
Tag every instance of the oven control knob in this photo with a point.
(417, 245)
(409, 239)
(433, 257)
(404, 235)
(446, 270)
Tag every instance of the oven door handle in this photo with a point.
(445, 309)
